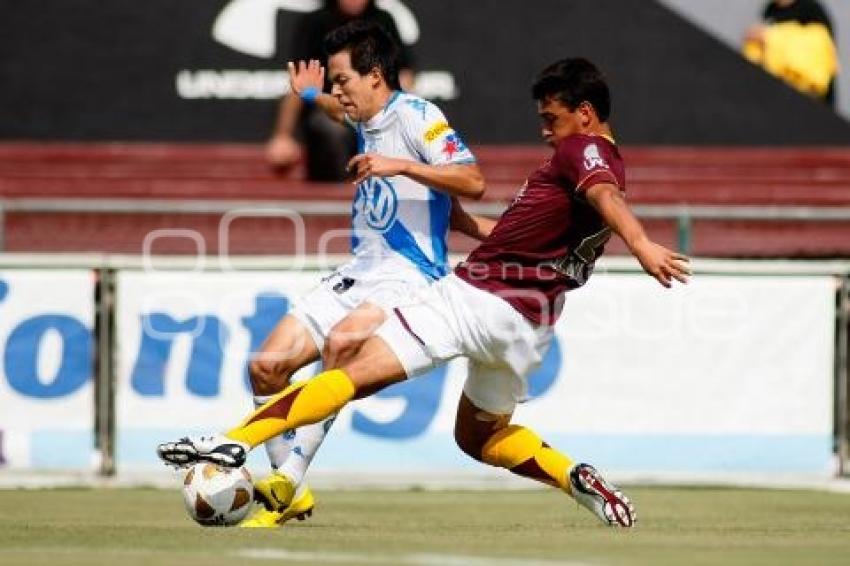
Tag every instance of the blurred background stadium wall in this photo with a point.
(131, 130)
(211, 70)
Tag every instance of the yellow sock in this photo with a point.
(522, 452)
(303, 403)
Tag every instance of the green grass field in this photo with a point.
(676, 526)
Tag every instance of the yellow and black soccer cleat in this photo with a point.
(271, 491)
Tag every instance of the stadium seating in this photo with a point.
(160, 178)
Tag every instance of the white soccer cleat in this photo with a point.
(601, 498)
(216, 449)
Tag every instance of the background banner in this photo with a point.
(46, 388)
(728, 374)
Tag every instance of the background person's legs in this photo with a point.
(330, 145)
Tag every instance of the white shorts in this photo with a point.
(338, 294)
(452, 318)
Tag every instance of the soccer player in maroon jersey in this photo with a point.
(497, 308)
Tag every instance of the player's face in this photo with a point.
(354, 91)
(558, 121)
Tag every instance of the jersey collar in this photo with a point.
(376, 119)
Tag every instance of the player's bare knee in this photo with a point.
(340, 348)
(268, 376)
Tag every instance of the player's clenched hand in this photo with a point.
(365, 165)
(663, 264)
(305, 74)
(282, 151)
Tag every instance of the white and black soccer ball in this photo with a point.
(217, 496)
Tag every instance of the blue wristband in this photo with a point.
(310, 94)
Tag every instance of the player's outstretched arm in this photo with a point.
(658, 261)
(282, 150)
(473, 225)
(306, 80)
(457, 180)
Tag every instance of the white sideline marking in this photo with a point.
(406, 559)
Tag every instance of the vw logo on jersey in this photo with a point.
(378, 202)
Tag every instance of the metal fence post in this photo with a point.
(684, 228)
(842, 381)
(105, 370)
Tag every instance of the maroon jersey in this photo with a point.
(548, 239)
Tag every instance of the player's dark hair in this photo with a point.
(573, 81)
(371, 47)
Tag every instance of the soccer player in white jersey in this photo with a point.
(410, 167)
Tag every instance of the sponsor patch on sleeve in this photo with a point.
(453, 145)
(592, 158)
(436, 130)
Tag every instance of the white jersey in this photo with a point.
(399, 226)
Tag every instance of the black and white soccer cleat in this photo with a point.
(601, 498)
(216, 449)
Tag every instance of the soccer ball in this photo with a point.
(217, 496)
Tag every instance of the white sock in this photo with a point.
(306, 443)
(278, 447)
